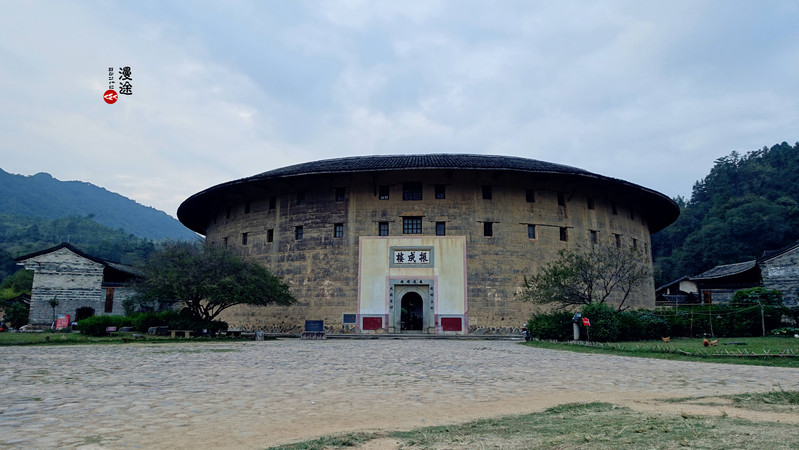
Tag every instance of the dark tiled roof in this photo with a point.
(116, 266)
(195, 211)
(726, 270)
(769, 254)
(436, 161)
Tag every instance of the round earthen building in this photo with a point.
(435, 244)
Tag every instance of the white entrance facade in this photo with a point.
(412, 285)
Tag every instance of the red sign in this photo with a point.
(62, 321)
(586, 322)
(110, 96)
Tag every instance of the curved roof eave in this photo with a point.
(193, 219)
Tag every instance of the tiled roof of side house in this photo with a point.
(672, 283)
(769, 254)
(726, 270)
(114, 265)
(659, 209)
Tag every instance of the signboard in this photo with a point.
(401, 257)
(62, 321)
(586, 322)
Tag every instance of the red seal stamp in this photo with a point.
(110, 96)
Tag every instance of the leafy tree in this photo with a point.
(53, 302)
(749, 321)
(207, 280)
(17, 314)
(585, 276)
(20, 282)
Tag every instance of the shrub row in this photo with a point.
(141, 322)
(609, 325)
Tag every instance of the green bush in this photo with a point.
(17, 315)
(555, 325)
(631, 328)
(654, 326)
(747, 319)
(786, 331)
(143, 321)
(604, 322)
(96, 325)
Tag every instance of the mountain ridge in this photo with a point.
(42, 195)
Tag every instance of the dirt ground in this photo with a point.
(253, 395)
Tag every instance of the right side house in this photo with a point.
(780, 270)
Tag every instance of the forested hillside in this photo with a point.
(22, 235)
(747, 204)
(43, 196)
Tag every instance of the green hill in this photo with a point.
(43, 196)
(21, 235)
(745, 205)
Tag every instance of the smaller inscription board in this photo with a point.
(315, 325)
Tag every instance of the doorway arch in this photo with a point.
(412, 312)
(83, 313)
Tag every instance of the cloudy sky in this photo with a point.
(650, 92)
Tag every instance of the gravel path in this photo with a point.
(251, 395)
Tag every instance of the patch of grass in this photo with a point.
(75, 338)
(692, 349)
(775, 401)
(591, 425)
(333, 441)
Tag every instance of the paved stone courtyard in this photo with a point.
(255, 394)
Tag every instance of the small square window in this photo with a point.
(411, 225)
(487, 193)
(561, 199)
(530, 231)
(247, 208)
(594, 236)
(244, 238)
(272, 202)
(441, 191)
(382, 229)
(298, 233)
(488, 229)
(412, 191)
(530, 195)
(590, 202)
(340, 194)
(338, 230)
(441, 229)
(383, 190)
(564, 234)
(270, 235)
(300, 198)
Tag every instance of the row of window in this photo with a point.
(413, 225)
(413, 192)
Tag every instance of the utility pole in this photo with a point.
(762, 318)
